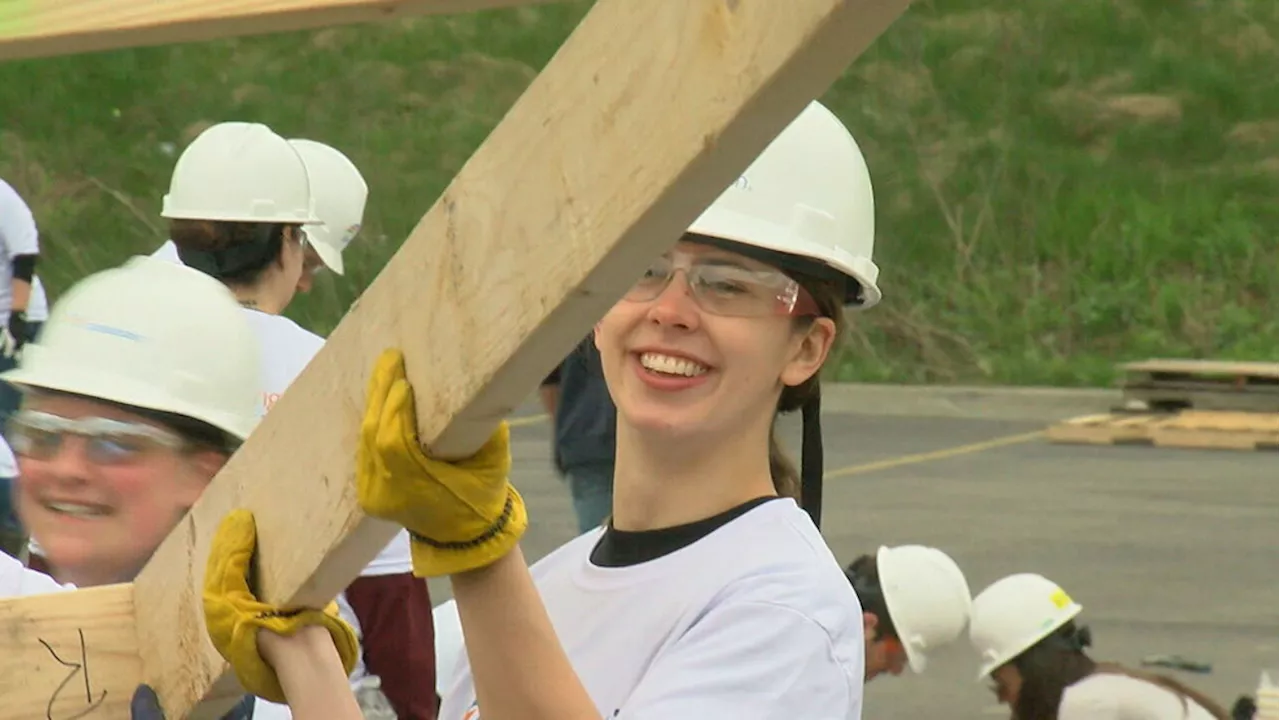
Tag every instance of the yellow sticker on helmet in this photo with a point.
(1060, 599)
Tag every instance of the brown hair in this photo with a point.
(864, 575)
(829, 297)
(236, 253)
(1052, 665)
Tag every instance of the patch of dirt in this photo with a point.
(907, 86)
(1258, 132)
(190, 132)
(1092, 111)
(1269, 166)
(1251, 41)
(1145, 107)
(979, 23)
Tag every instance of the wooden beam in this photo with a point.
(642, 118)
(42, 28)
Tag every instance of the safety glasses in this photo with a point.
(39, 435)
(726, 286)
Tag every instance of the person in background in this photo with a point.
(1032, 653)
(584, 423)
(23, 309)
(261, 214)
(915, 599)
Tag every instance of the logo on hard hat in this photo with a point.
(97, 327)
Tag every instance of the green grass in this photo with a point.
(1062, 185)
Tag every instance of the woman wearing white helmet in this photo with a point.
(140, 387)
(240, 208)
(915, 599)
(1033, 656)
(710, 593)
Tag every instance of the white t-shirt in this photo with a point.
(18, 236)
(754, 621)
(8, 463)
(1110, 696)
(449, 642)
(286, 349)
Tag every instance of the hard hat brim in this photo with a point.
(329, 255)
(1069, 613)
(40, 371)
(728, 225)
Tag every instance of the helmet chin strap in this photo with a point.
(811, 457)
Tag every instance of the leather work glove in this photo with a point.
(461, 515)
(234, 615)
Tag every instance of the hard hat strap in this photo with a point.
(811, 456)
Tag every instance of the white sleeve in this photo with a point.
(17, 579)
(17, 224)
(748, 661)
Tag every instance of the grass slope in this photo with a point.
(1061, 185)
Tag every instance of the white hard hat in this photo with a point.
(927, 598)
(340, 193)
(807, 194)
(153, 335)
(1013, 614)
(240, 172)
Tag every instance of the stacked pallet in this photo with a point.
(1187, 404)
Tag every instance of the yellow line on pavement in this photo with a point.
(526, 420)
(933, 455)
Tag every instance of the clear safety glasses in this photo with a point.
(39, 435)
(726, 286)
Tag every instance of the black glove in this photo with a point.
(145, 705)
(19, 330)
(1244, 708)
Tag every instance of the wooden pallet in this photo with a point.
(1208, 430)
(1170, 385)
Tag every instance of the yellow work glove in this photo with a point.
(234, 616)
(461, 515)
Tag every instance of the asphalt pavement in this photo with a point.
(1170, 551)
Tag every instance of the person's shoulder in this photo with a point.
(282, 331)
(16, 579)
(782, 561)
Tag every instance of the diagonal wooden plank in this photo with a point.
(646, 113)
(42, 28)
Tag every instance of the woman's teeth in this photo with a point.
(76, 509)
(671, 365)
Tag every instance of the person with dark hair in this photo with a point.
(915, 599)
(23, 309)
(259, 213)
(1032, 654)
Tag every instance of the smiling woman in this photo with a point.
(710, 593)
(143, 383)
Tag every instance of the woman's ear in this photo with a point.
(809, 352)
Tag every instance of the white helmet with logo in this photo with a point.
(927, 597)
(340, 193)
(240, 172)
(1013, 614)
(808, 194)
(154, 335)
